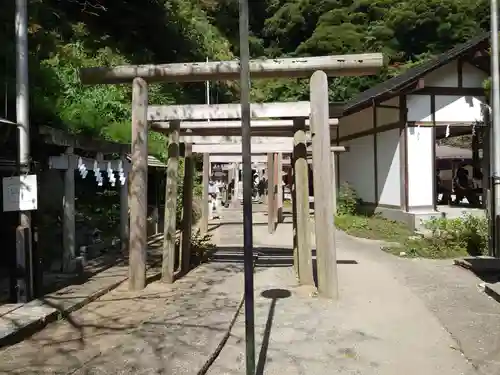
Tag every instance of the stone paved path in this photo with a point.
(161, 330)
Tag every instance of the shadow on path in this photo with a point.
(274, 295)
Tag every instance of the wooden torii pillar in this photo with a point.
(355, 65)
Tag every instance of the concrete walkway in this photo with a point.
(379, 326)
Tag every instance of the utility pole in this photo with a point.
(495, 104)
(246, 149)
(24, 256)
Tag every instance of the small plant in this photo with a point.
(347, 200)
(467, 234)
(201, 248)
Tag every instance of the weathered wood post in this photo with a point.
(156, 213)
(168, 260)
(235, 203)
(205, 209)
(271, 205)
(301, 182)
(279, 187)
(187, 208)
(323, 204)
(334, 180)
(293, 191)
(138, 186)
(69, 229)
(124, 206)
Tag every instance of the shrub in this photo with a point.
(467, 234)
(201, 249)
(347, 200)
(196, 211)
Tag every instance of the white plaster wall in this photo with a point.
(420, 163)
(356, 167)
(388, 168)
(446, 76)
(458, 108)
(472, 76)
(419, 108)
(449, 108)
(363, 120)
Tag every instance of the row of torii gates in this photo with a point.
(288, 120)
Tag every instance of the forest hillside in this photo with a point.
(65, 35)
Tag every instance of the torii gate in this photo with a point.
(274, 143)
(318, 68)
(274, 148)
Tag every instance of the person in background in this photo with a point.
(262, 188)
(441, 189)
(256, 182)
(463, 187)
(230, 190)
(213, 193)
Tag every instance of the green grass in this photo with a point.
(402, 241)
(419, 247)
(373, 227)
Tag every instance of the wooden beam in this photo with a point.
(233, 124)
(229, 158)
(228, 166)
(59, 137)
(256, 158)
(234, 132)
(323, 208)
(257, 148)
(168, 261)
(138, 186)
(64, 162)
(292, 67)
(227, 111)
(231, 140)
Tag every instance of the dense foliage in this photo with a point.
(65, 35)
